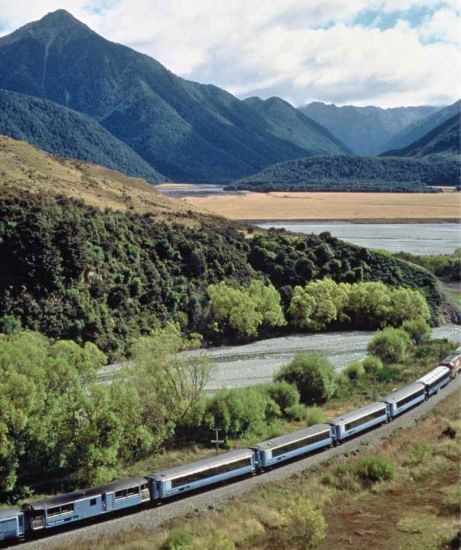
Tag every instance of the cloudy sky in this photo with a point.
(376, 52)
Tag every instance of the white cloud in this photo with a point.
(298, 49)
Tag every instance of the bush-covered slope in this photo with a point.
(291, 124)
(187, 131)
(61, 131)
(345, 173)
(72, 271)
(365, 130)
(421, 127)
(444, 139)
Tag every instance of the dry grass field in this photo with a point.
(384, 207)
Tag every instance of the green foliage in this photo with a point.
(77, 273)
(296, 412)
(244, 310)
(312, 374)
(178, 540)
(304, 525)
(325, 302)
(354, 371)
(354, 173)
(371, 470)
(445, 266)
(314, 415)
(418, 330)
(372, 365)
(284, 394)
(238, 412)
(390, 345)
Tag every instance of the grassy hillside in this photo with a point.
(343, 173)
(365, 130)
(61, 131)
(444, 139)
(25, 167)
(185, 130)
(291, 124)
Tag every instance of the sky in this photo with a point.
(379, 52)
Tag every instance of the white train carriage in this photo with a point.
(435, 380)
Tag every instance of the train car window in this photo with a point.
(125, 493)
(409, 398)
(439, 379)
(93, 502)
(301, 443)
(364, 419)
(197, 476)
(59, 510)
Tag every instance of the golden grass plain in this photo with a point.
(360, 207)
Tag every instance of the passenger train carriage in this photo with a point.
(359, 420)
(400, 400)
(45, 515)
(295, 444)
(201, 473)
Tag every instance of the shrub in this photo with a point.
(284, 394)
(373, 469)
(354, 371)
(305, 525)
(390, 345)
(312, 374)
(372, 365)
(296, 412)
(314, 415)
(418, 330)
(178, 540)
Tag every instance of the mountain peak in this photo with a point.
(61, 18)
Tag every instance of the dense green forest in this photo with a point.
(71, 271)
(347, 173)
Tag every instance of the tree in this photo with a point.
(418, 330)
(407, 304)
(390, 345)
(312, 374)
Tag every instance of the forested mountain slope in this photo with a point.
(186, 131)
(365, 130)
(291, 124)
(444, 139)
(61, 131)
(420, 128)
(341, 173)
(73, 271)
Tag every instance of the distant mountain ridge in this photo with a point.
(293, 125)
(185, 130)
(444, 139)
(61, 131)
(420, 128)
(365, 130)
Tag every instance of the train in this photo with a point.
(28, 520)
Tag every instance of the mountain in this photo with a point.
(185, 130)
(348, 173)
(364, 130)
(418, 129)
(24, 167)
(291, 124)
(444, 139)
(61, 131)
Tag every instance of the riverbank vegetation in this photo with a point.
(74, 272)
(445, 266)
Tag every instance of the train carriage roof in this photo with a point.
(358, 413)
(68, 498)
(403, 392)
(8, 513)
(434, 375)
(202, 465)
(291, 438)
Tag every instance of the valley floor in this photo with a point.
(358, 207)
